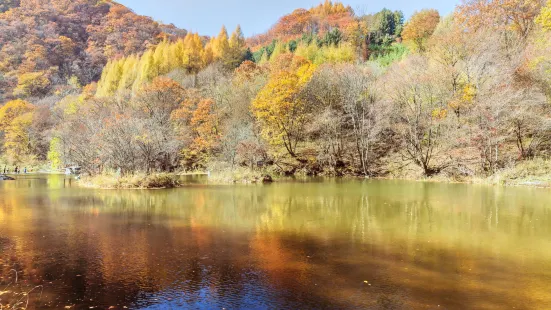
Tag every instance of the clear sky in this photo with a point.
(256, 16)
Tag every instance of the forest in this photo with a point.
(325, 91)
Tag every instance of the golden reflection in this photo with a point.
(361, 244)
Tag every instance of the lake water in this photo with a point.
(320, 244)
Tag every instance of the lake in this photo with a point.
(310, 244)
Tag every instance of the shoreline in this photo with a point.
(172, 180)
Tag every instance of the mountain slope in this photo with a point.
(43, 43)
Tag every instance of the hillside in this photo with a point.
(43, 43)
(325, 91)
(319, 19)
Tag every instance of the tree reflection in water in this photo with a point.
(330, 244)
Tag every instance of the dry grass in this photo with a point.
(238, 175)
(535, 172)
(222, 173)
(136, 181)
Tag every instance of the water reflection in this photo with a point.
(330, 244)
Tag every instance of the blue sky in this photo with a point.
(256, 16)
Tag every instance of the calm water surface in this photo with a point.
(292, 245)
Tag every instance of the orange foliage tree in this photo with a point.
(516, 15)
(196, 123)
(420, 27)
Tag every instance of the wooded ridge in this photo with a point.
(325, 91)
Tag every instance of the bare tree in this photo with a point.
(419, 114)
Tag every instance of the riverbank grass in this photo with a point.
(238, 175)
(536, 172)
(135, 181)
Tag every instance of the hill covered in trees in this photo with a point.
(45, 43)
(324, 91)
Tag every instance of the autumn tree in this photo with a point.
(221, 44)
(421, 116)
(32, 84)
(197, 123)
(515, 15)
(17, 140)
(544, 17)
(12, 110)
(420, 27)
(193, 54)
(16, 118)
(279, 107)
(237, 49)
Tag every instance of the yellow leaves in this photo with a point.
(464, 99)
(67, 46)
(17, 141)
(70, 104)
(143, 138)
(279, 49)
(544, 18)
(221, 45)
(439, 114)
(307, 51)
(237, 39)
(342, 53)
(305, 73)
(132, 72)
(193, 53)
(32, 84)
(110, 78)
(12, 110)
(278, 106)
(207, 55)
(468, 93)
(54, 153)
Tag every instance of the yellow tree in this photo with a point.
(13, 109)
(221, 45)
(279, 49)
(208, 55)
(237, 49)
(161, 58)
(177, 53)
(129, 73)
(17, 141)
(264, 59)
(15, 120)
(279, 107)
(544, 18)
(110, 78)
(193, 52)
(55, 153)
(146, 70)
(308, 51)
(540, 49)
(32, 84)
(237, 39)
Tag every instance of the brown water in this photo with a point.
(293, 245)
